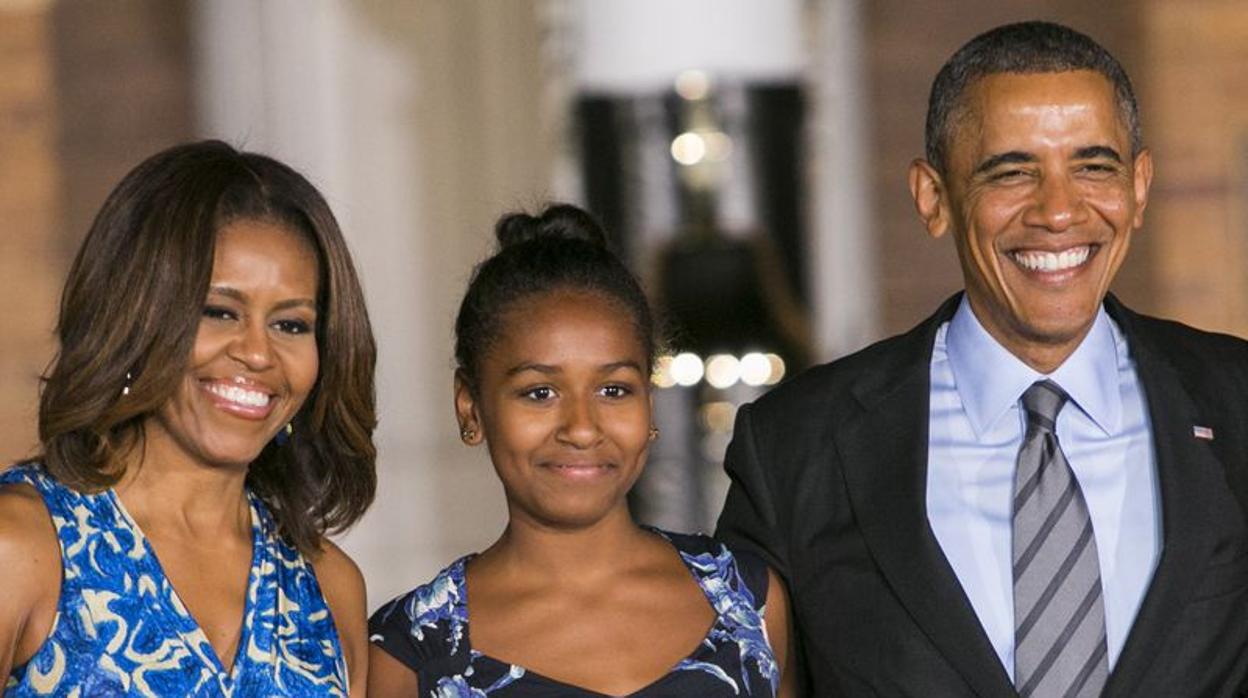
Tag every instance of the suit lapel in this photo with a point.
(884, 452)
(1186, 470)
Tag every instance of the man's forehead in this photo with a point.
(1037, 98)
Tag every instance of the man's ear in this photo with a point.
(466, 411)
(931, 199)
(1142, 170)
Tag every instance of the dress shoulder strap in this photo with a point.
(427, 626)
(720, 569)
(62, 501)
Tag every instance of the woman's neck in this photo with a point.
(163, 487)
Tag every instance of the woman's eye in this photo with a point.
(541, 393)
(616, 392)
(293, 326)
(216, 312)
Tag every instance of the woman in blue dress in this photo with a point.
(206, 423)
(554, 344)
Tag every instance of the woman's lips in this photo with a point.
(239, 399)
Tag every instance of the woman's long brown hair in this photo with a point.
(130, 312)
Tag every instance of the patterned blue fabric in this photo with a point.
(121, 630)
(427, 630)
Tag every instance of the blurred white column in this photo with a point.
(333, 89)
(844, 277)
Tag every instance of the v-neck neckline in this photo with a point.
(460, 578)
(195, 638)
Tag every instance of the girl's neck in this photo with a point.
(536, 551)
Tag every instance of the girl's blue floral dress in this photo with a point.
(121, 630)
(427, 630)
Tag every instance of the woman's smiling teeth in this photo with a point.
(239, 395)
(1034, 260)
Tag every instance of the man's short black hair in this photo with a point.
(1025, 47)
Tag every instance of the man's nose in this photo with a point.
(1058, 204)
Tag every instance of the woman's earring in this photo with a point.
(282, 437)
(125, 387)
(654, 433)
(467, 435)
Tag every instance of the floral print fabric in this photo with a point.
(121, 630)
(427, 630)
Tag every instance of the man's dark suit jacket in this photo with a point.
(829, 483)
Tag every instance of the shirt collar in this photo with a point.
(990, 379)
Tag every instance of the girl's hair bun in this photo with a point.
(557, 222)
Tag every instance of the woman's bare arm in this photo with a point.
(343, 586)
(388, 677)
(31, 559)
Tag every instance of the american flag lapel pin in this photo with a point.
(1202, 433)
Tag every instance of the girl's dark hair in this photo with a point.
(129, 316)
(562, 248)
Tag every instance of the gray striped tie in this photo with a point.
(1059, 615)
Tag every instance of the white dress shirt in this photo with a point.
(976, 428)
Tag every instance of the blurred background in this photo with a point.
(749, 156)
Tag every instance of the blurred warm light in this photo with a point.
(718, 146)
(755, 368)
(777, 369)
(718, 416)
(720, 370)
(662, 375)
(693, 85)
(686, 368)
(723, 370)
(688, 148)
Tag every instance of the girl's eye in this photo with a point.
(293, 326)
(216, 312)
(616, 392)
(541, 393)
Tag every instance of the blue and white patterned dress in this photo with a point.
(427, 630)
(120, 629)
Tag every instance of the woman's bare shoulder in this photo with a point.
(27, 538)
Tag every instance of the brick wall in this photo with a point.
(87, 89)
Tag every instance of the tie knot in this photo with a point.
(1043, 400)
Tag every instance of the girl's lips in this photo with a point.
(579, 471)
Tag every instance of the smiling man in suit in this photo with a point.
(1036, 491)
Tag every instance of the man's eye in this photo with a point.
(1099, 169)
(1008, 175)
(541, 393)
(293, 326)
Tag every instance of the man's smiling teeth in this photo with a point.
(242, 396)
(1052, 261)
